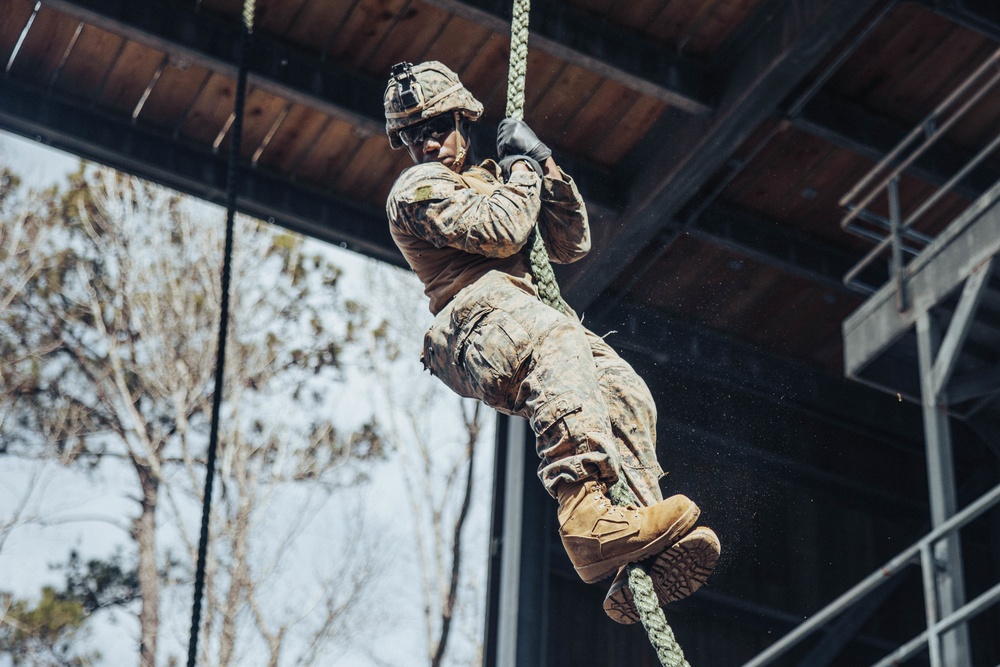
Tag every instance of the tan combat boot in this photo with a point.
(600, 537)
(676, 573)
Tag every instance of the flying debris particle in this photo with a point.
(899, 397)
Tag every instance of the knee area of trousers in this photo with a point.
(558, 418)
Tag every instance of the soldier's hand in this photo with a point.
(507, 165)
(514, 137)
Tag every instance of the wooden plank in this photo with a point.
(635, 122)
(676, 20)
(636, 15)
(381, 160)
(458, 44)
(867, 66)
(801, 160)
(227, 7)
(318, 22)
(130, 76)
(298, 132)
(400, 162)
(595, 120)
(262, 109)
(89, 62)
(486, 74)
(364, 30)
(906, 95)
(333, 146)
(43, 47)
(16, 16)
(755, 185)
(979, 126)
(408, 39)
(173, 94)
(277, 17)
(210, 110)
(718, 25)
(951, 62)
(600, 7)
(573, 88)
(818, 193)
(542, 72)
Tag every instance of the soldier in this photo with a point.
(465, 230)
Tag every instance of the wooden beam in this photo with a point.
(112, 140)
(292, 74)
(683, 152)
(614, 52)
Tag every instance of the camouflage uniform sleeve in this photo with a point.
(429, 201)
(564, 223)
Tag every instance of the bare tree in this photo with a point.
(108, 340)
(436, 436)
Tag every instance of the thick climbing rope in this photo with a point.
(232, 187)
(541, 268)
(661, 636)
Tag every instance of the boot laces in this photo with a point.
(605, 503)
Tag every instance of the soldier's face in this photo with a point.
(441, 149)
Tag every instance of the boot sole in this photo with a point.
(605, 568)
(676, 573)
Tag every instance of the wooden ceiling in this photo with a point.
(712, 139)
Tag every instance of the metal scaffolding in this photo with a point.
(921, 337)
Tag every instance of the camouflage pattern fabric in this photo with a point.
(590, 412)
(494, 340)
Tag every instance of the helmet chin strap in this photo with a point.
(462, 146)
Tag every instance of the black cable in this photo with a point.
(232, 187)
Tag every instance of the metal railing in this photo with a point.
(921, 552)
(902, 239)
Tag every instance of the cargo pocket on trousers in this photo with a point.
(552, 425)
(492, 355)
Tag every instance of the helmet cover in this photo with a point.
(417, 93)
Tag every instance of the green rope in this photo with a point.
(232, 187)
(661, 636)
(640, 583)
(538, 257)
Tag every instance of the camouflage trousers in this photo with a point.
(591, 413)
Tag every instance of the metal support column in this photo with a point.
(950, 583)
(516, 621)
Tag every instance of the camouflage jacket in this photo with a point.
(454, 228)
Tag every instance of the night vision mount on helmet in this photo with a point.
(417, 93)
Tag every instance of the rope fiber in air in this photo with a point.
(232, 187)
(661, 636)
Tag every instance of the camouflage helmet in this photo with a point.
(418, 92)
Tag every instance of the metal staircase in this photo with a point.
(930, 335)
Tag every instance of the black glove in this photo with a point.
(508, 162)
(514, 137)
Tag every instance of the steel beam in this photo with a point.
(948, 579)
(969, 242)
(682, 152)
(958, 330)
(613, 52)
(116, 142)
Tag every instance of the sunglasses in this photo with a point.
(435, 128)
